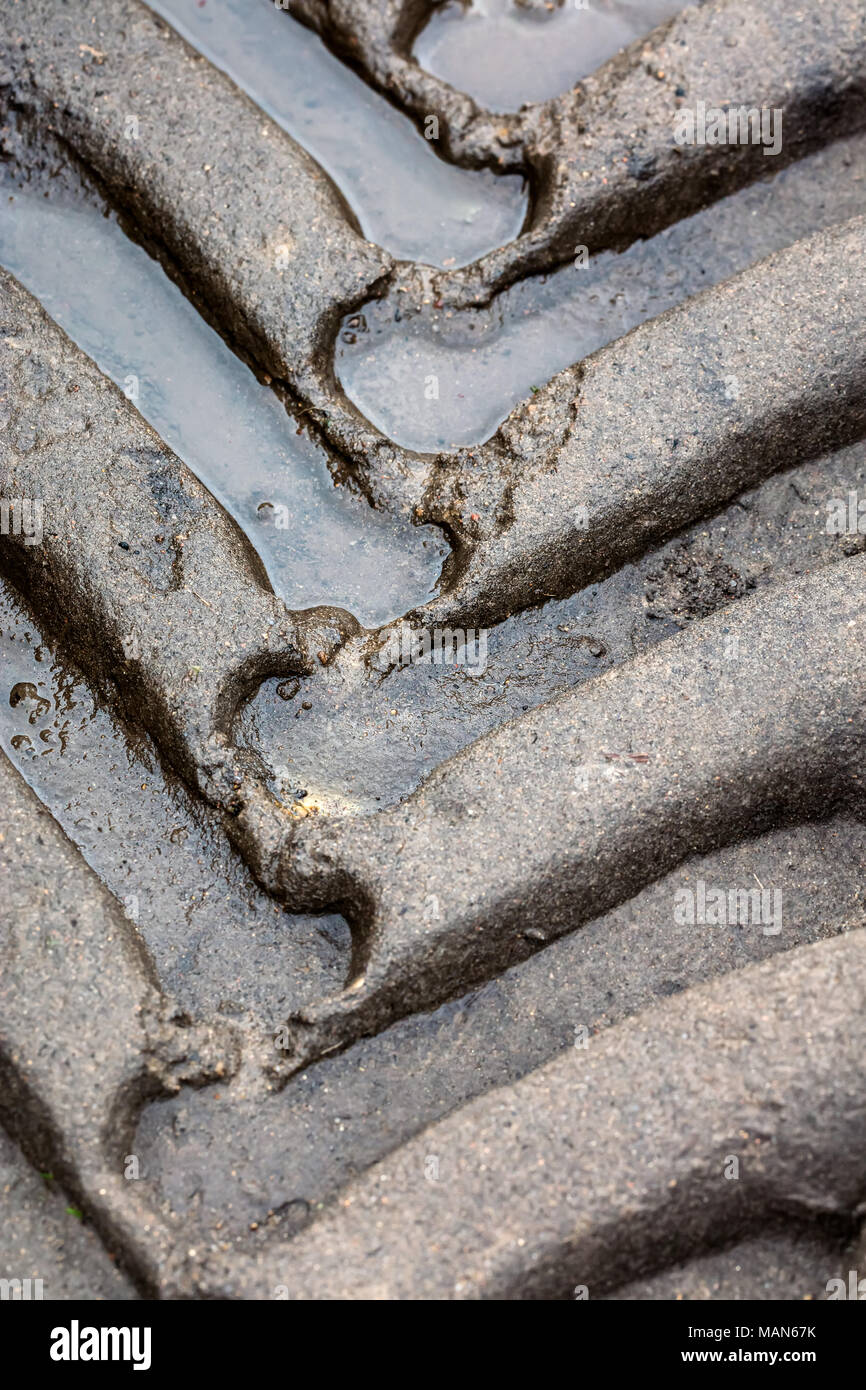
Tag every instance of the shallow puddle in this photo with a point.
(439, 380)
(235, 435)
(405, 198)
(505, 53)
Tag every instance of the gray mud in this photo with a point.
(405, 198)
(359, 736)
(437, 379)
(321, 543)
(220, 944)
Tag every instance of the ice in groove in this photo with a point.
(416, 205)
(437, 379)
(504, 55)
(252, 227)
(319, 543)
(156, 591)
(762, 372)
(603, 161)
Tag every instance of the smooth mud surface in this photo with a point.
(404, 197)
(434, 380)
(274, 1161)
(219, 944)
(505, 53)
(359, 736)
